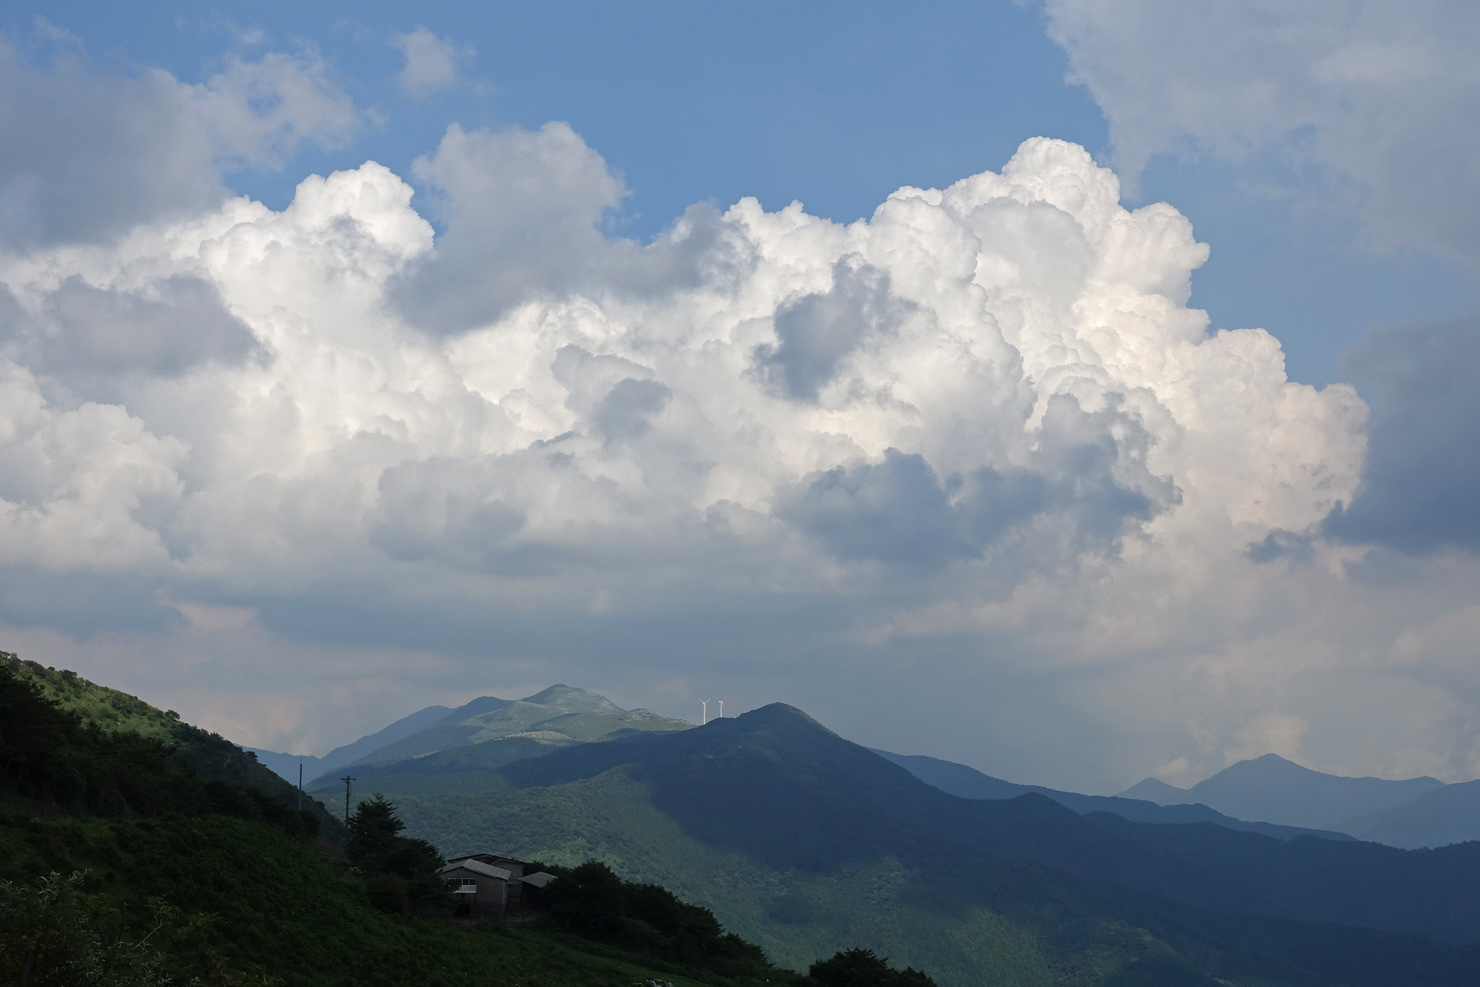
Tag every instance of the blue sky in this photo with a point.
(534, 403)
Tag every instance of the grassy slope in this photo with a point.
(209, 755)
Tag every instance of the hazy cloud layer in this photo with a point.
(1377, 98)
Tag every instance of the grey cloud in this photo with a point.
(89, 154)
(1096, 462)
(524, 214)
(1421, 482)
(816, 333)
(991, 503)
(623, 413)
(896, 511)
(1281, 544)
(900, 511)
(442, 510)
(83, 603)
(178, 322)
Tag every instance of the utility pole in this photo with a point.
(347, 779)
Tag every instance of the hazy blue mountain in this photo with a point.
(1439, 817)
(458, 741)
(1156, 790)
(798, 839)
(1272, 789)
(966, 782)
(286, 765)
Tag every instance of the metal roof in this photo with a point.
(539, 880)
(477, 867)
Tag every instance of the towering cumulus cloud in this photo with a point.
(985, 414)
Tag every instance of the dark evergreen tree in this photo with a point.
(861, 968)
(401, 871)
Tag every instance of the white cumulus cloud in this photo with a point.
(980, 430)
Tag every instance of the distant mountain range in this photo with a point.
(799, 839)
(960, 780)
(1412, 813)
(439, 750)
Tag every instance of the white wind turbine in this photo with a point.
(704, 714)
(721, 715)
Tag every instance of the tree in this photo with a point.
(400, 871)
(861, 968)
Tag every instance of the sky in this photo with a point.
(1077, 389)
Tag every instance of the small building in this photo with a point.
(514, 867)
(482, 888)
(495, 885)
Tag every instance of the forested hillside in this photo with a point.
(121, 865)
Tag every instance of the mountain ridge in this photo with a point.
(967, 782)
(797, 837)
(1274, 789)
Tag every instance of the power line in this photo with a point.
(347, 779)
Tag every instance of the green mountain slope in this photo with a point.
(802, 841)
(490, 732)
(208, 755)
